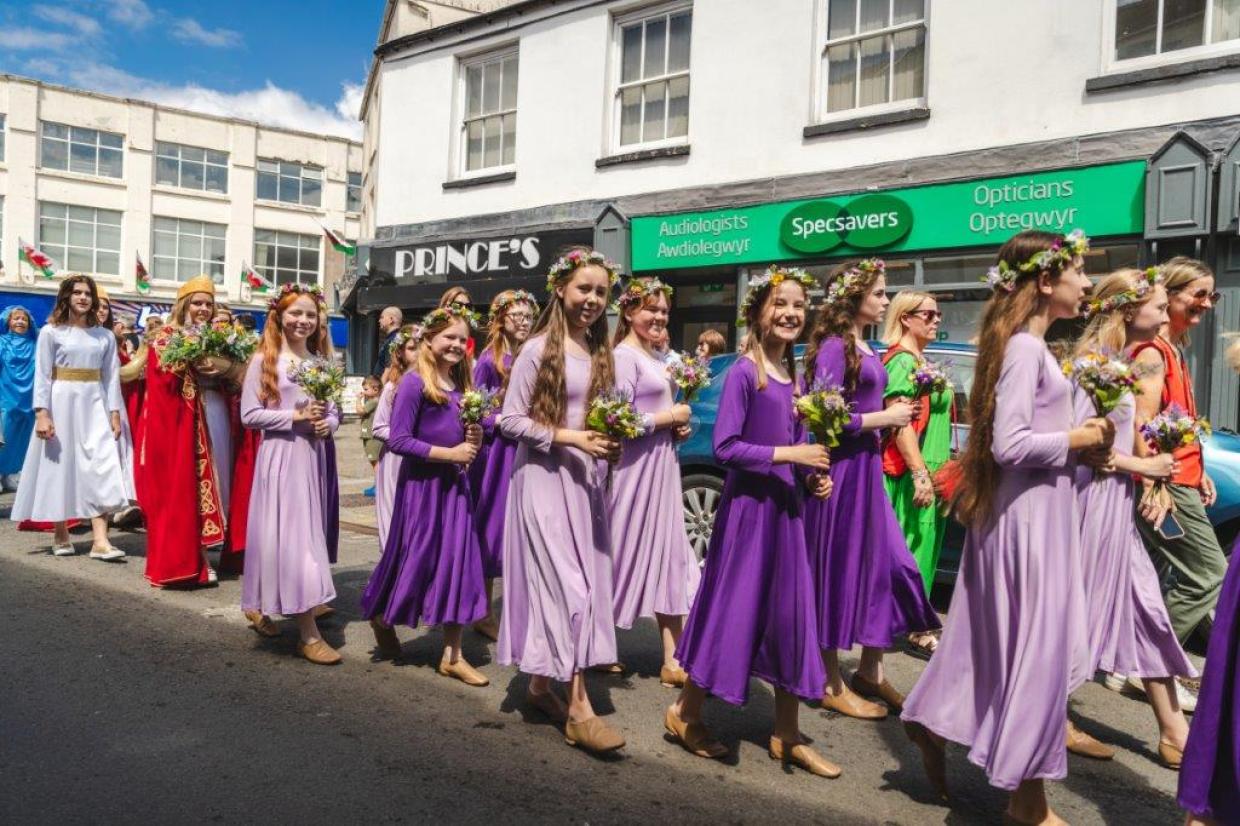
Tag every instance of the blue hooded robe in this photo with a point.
(16, 390)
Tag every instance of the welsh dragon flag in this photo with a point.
(143, 277)
(338, 243)
(256, 281)
(38, 260)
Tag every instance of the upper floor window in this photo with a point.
(191, 167)
(88, 151)
(286, 257)
(181, 249)
(292, 183)
(2, 134)
(81, 239)
(1146, 28)
(353, 199)
(874, 54)
(489, 122)
(652, 93)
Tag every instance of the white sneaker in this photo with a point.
(212, 577)
(108, 554)
(1136, 685)
(1186, 697)
(66, 549)
(1115, 682)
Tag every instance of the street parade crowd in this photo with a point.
(543, 454)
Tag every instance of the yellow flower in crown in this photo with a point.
(636, 291)
(775, 275)
(453, 311)
(313, 290)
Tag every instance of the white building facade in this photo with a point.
(706, 139)
(99, 182)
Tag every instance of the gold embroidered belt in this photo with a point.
(75, 374)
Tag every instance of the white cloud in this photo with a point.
(58, 16)
(189, 30)
(349, 105)
(25, 39)
(135, 14)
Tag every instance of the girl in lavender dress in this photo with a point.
(557, 618)
(431, 569)
(293, 527)
(868, 584)
(403, 356)
(512, 315)
(1015, 643)
(754, 612)
(656, 573)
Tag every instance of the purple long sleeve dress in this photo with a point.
(655, 569)
(490, 472)
(1015, 645)
(868, 585)
(1129, 630)
(754, 611)
(387, 469)
(431, 569)
(294, 526)
(557, 616)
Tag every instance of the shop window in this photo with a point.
(353, 199)
(292, 183)
(86, 151)
(181, 250)
(1177, 28)
(489, 111)
(873, 55)
(651, 102)
(286, 257)
(81, 239)
(191, 167)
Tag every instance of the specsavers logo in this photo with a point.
(868, 222)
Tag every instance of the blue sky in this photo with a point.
(294, 63)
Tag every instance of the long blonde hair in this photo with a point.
(902, 303)
(1109, 330)
(461, 373)
(1178, 273)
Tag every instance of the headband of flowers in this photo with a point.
(580, 258)
(772, 278)
(453, 311)
(1064, 251)
(313, 290)
(638, 289)
(403, 336)
(848, 280)
(1149, 279)
(501, 304)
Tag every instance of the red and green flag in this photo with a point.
(256, 281)
(338, 243)
(36, 259)
(143, 277)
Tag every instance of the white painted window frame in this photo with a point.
(1112, 65)
(62, 257)
(461, 118)
(181, 162)
(177, 258)
(271, 272)
(616, 56)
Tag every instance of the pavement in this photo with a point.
(122, 703)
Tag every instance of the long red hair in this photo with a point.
(319, 343)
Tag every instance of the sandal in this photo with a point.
(922, 646)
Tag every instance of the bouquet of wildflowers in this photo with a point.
(929, 377)
(825, 411)
(1173, 429)
(613, 414)
(321, 379)
(477, 404)
(230, 343)
(1105, 375)
(690, 374)
(185, 346)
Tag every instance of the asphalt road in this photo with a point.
(121, 703)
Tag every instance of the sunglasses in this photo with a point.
(927, 315)
(1201, 295)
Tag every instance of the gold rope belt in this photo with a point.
(75, 374)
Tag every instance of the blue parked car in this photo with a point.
(702, 477)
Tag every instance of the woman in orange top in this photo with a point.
(1193, 563)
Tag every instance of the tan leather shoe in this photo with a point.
(885, 692)
(323, 611)
(262, 624)
(694, 737)
(593, 735)
(850, 705)
(463, 671)
(549, 704)
(1171, 756)
(1081, 743)
(489, 628)
(674, 677)
(799, 754)
(319, 653)
(385, 639)
(933, 755)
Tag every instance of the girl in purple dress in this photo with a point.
(403, 356)
(869, 589)
(754, 612)
(656, 573)
(512, 315)
(1015, 645)
(293, 527)
(431, 568)
(1130, 632)
(557, 618)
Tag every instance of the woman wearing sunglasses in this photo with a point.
(914, 453)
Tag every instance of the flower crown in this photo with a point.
(403, 337)
(848, 280)
(1004, 276)
(1149, 279)
(453, 311)
(773, 277)
(580, 258)
(637, 290)
(500, 305)
(313, 290)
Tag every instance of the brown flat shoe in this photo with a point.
(799, 754)
(1081, 743)
(549, 704)
(323, 611)
(262, 624)
(1171, 756)
(885, 692)
(614, 669)
(693, 737)
(463, 671)
(933, 755)
(319, 653)
(385, 640)
(489, 628)
(850, 705)
(674, 677)
(593, 735)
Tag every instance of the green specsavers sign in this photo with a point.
(1102, 200)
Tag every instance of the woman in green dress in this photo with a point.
(913, 453)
